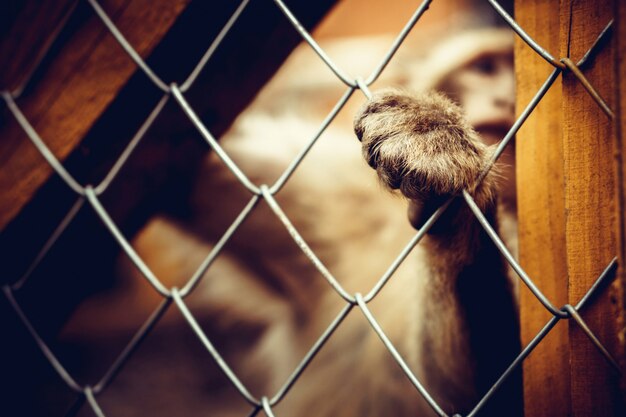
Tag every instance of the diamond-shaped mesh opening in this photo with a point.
(169, 358)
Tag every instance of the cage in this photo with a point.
(153, 235)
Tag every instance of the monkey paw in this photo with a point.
(420, 144)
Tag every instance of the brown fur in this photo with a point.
(422, 145)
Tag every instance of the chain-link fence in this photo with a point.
(175, 297)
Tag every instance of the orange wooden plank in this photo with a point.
(589, 204)
(620, 189)
(541, 213)
(33, 24)
(73, 92)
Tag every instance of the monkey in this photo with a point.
(423, 146)
(450, 308)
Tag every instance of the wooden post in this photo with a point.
(567, 205)
(541, 213)
(589, 204)
(620, 189)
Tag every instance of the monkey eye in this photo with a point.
(484, 65)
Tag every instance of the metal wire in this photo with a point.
(212, 141)
(217, 249)
(91, 400)
(303, 245)
(347, 80)
(132, 346)
(604, 276)
(398, 42)
(186, 85)
(364, 88)
(509, 258)
(267, 407)
(396, 355)
(525, 36)
(298, 159)
(56, 364)
(50, 242)
(87, 394)
(585, 83)
(127, 46)
(211, 349)
(76, 406)
(321, 341)
(119, 237)
(583, 326)
(40, 145)
(121, 161)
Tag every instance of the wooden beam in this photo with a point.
(73, 91)
(35, 24)
(541, 213)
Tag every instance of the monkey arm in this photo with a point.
(422, 146)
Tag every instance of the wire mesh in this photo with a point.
(175, 298)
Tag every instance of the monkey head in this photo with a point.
(475, 70)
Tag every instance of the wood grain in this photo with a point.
(74, 90)
(620, 189)
(567, 167)
(33, 24)
(589, 205)
(541, 212)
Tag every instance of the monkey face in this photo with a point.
(485, 88)
(475, 69)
